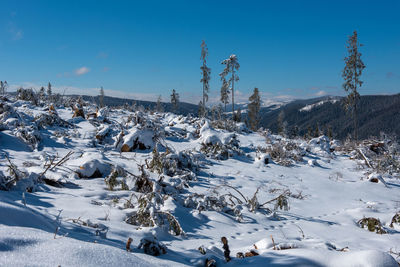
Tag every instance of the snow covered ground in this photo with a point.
(209, 183)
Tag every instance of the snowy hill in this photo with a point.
(376, 114)
(76, 183)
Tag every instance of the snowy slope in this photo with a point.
(68, 215)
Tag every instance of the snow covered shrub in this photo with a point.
(78, 112)
(283, 152)
(148, 214)
(214, 148)
(43, 120)
(29, 135)
(102, 114)
(115, 178)
(152, 246)
(372, 224)
(395, 220)
(143, 216)
(382, 156)
(320, 145)
(28, 95)
(184, 163)
(18, 179)
(4, 182)
(143, 184)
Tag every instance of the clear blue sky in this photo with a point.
(145, 48)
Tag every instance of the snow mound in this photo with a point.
(208, 135)
(138, 139)
(320, 145)
(92, 165)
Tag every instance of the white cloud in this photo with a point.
(82, 71)
(321, 93)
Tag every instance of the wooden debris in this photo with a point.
(226, 249)
(128, 244)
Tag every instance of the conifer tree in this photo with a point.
(351, 75)
(101, 97)
(224, 92)
(231, 67)
(254, 109)
(49, 91)
(282, 124)
(42, 94)
(205, 72)
(3, 87)
(159, 107)
(201, 111)
(174, 100)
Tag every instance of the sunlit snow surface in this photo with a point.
(336, 195)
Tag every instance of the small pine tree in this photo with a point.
(231, 66)
(3, 87)
(174, 100)
(317, 132)
(330, 132)
(282, 124)
(101, 97)
(351, 75)
(237, 116)
(309, 132)
(254, 109)
(159, 107)
(205, 71)
(42, 94)
(294, 131)
(49, 91)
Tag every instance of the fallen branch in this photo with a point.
(365, 158)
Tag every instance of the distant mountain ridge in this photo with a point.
(183, 108)
(376, 114)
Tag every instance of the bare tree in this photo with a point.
(351, 75)
(205, 71)
(231, 66)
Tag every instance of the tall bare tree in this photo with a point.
(231, 67)
(205, 72)
(351, 75)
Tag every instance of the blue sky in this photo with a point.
(140, 49)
